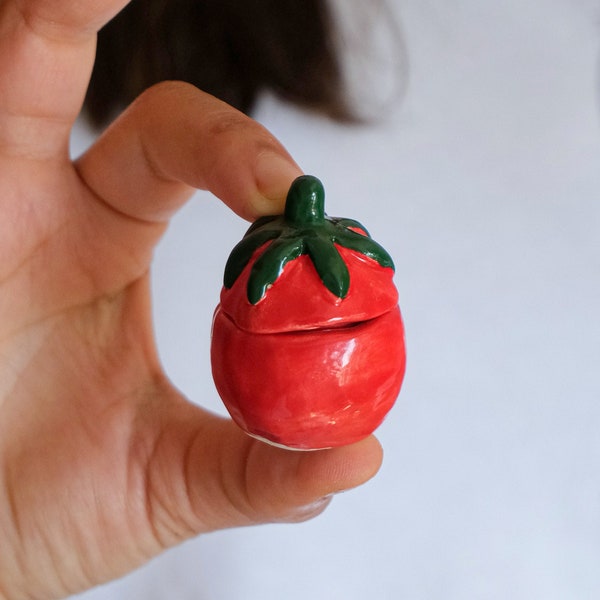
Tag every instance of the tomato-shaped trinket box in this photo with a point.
(307, 341)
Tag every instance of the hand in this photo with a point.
(103, 464)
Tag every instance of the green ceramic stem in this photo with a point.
(305, 203)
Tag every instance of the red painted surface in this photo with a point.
(303, 368)
(310, 389)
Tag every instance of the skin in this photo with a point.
(103, 463)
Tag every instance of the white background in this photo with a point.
(483, 183)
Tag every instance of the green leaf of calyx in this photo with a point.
(270, 264)
(242, 253)
(364, 245)
(330, 266)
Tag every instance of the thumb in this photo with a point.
(206, 474)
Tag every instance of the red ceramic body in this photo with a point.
(310, 389)
(304, 369)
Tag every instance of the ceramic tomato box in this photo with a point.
(307, 347)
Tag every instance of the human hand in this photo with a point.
(103, 464)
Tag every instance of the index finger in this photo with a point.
(175, 138)
(47, 50)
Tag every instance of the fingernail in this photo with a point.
(308, 511)
(274, 175)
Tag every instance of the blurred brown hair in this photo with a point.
(231, 49)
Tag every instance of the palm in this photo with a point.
(77, 366)
(102, 462)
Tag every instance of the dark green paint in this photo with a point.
(304, 228)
